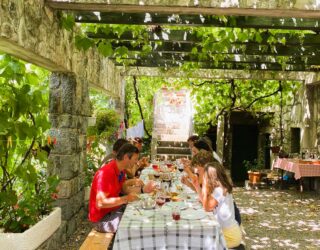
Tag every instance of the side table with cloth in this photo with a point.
(155, 229)
(300, 168)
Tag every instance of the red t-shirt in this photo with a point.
(109, 180)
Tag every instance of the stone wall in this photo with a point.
(304, 114)
(31, 31)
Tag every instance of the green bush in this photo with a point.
(26, 193)
(100, 136)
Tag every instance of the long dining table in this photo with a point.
(155, 228)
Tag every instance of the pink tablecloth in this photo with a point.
(299, 169)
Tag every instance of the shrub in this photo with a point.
(26, 192)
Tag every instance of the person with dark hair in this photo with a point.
(106, 206)
(137, 141)
(142, 163)
(192, 139)
(116, 146)
(196, 168)
(198, 145)
(216, 195)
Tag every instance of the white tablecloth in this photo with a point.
(158, 230)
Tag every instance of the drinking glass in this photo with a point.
(176, 213)
(155, 167)
(180, 168)
(160, 199)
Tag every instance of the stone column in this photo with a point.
(68, 111)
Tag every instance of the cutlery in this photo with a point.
(136, 208)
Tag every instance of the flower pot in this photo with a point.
(34, 236)
(254, 177)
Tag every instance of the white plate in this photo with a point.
(135, 215)
(191, 214)
(180, 204)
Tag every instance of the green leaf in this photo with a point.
(122, 51)
(8, 197)
(68, 22)
(194, 50)
(106, 30)
(25, 89)
(258, 37)
(32, 78)
(83, 43)
(147, 48)
(105, 48)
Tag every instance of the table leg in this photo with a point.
(281, 182)
(301, 185)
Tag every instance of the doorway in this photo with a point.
(244, 147)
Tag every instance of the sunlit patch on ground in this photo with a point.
(276, 219)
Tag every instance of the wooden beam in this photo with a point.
(174, 8)
(221, 65)
(249, 49)
(184, 36)
(15, 49)
(198, 20)
(220, 74)
(232, 58)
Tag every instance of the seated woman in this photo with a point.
(196, 169)
(216, 195)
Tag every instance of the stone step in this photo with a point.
(171, 157)
(182, 144)
(173, 150)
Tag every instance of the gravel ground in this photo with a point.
(275, 219)
(272, 219)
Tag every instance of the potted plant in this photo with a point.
(26, 191)
(254, 170)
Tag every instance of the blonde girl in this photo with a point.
(216, 195)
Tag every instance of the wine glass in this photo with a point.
(176, 213)
(160, 199)
(155, 167)
(180, 168)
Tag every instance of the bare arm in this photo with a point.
(102, 201)
(185, 180)
(209, 203)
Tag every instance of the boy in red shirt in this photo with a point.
(106, 206)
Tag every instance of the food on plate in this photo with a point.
(175, 198)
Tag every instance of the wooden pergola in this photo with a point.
(170, 21)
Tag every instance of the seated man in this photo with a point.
(105, 205)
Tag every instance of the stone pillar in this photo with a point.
(68, 111)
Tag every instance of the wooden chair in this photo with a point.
(97, 241)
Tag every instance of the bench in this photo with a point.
(97, 241)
